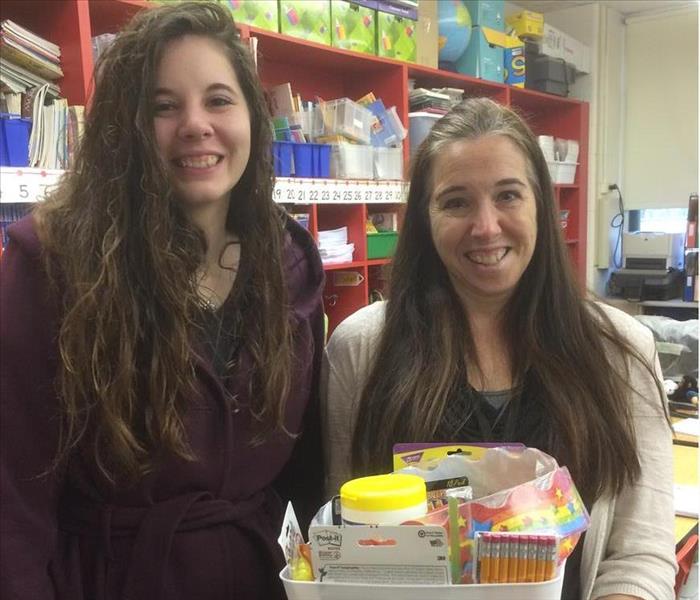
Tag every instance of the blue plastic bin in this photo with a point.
(14, 140)
(322, 160)
(303, 160)
(294, 159)
(282, 153)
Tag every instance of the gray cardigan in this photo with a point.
(629, 547)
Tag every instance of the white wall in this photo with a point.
(661, 125)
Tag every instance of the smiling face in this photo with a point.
(201, 120)
(483, 217)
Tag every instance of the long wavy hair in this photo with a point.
(558, 338)
(123, 257)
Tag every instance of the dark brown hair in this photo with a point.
(560, 339)
(123, 255)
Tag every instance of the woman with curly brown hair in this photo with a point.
(486, 337)
(161, 336)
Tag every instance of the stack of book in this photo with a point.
(27, 60)
(422, 100)
(56, 130)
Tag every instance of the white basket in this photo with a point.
(388, 163)
(562, 172)
(566, 172)
(311, 590)
(352, 161)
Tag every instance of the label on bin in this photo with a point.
(383, 554)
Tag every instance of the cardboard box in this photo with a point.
(487, 13)
(259, 13)
(514, 63)
(557, 44)
(354, 25)
(396, 32)
(526, 24)
(427, 32)
(483, 57)
(306, 19)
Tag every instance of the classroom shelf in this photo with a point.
(315, 71)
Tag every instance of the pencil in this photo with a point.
(484, 557)
(494, 569)
(541, 558)
(522, 559)
(531, 558)
(505, 559)
(513, 554)
(551, 564)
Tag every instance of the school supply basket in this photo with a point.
(311, 590)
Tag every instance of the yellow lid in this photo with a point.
(383, 492)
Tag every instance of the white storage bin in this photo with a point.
(352, 161)
(562, 172)
(388, 163)
(566, 172)
(419, 125)
(343, 117)
(311, 590)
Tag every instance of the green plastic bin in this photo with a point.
(381, 245)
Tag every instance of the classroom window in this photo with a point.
(666, 220)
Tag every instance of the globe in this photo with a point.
(455, 27)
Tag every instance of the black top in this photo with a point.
(515, 415)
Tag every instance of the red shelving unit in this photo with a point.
(321, 71)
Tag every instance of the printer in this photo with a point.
(652, 267)
(652, 250)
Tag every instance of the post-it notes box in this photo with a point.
(487, 13)
(483, 57)
(259, 13)
(396, 30)
(354, 25)
(306, 19)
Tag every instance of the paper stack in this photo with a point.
(333, 246)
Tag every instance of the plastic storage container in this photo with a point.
(388, 163)
(419, 125)
(14, 140)
(566, 172)
(313, 590)
(562, 172)
(301, 160)
(343, 117)
(383, 499)
(282, 155)
(381, 245)
(351, 161)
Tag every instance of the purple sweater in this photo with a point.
(188, 530)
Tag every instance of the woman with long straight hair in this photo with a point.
(486, 337)
(162, 333)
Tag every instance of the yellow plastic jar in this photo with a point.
(383, 499)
